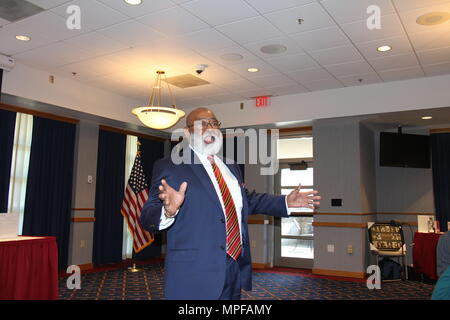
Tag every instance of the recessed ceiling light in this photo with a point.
(433, 18)
(231, 57)
(23, 38)
(427, 118)
(133, 2)
(273, 49)
(252, 69)
(384, 48)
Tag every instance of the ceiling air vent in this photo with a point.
(14, 10)
(186, 81)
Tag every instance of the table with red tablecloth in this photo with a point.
(28, 268)
(424, 253)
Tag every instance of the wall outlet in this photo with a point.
(330, 248)
(82, 243)
(350, 249)
(253, 243)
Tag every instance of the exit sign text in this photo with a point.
(262, 101)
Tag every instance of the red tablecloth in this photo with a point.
(424, 253)
(29, 269)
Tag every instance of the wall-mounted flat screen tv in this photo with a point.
(404, 150)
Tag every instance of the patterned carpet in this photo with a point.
(120, 284)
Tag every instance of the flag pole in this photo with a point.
(134, 268)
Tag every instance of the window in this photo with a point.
(19, 165)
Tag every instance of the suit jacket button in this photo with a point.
(222, 220)
(222, 247)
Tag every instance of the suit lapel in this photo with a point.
(200, 172)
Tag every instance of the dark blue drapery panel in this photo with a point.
(7, 126)
(151, 150)
(108, 226)
(440, 157)
(48, 199)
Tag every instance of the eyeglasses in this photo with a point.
(206, 123)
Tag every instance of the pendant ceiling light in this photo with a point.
(154, 115)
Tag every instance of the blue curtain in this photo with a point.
(108, 232)
(440, 157)
(7, 127)
(151, 150)
(48, 199)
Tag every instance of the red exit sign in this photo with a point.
(263, 101)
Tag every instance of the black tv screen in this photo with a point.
(404, 150)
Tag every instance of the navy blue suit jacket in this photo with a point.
(195, 256)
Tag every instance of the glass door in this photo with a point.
(294, 236)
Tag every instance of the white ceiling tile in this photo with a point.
(394, 62)
(359, 80)
(251, 94)
(310, 75)
(434, 56)
(174, 21)
(3, 22)
(96, 43)
(358, 31)
(323, 85)
(94, 15)
(321, 38)
(250, 30)
(145, 7)
(218, 75)
(314, 17)
(293, 63)
(349, 68)
(92, 67)
(336, 55)
(286, 90)
(47, 25)
(409, 18)
(273, 81)
(47, 4)
(216, 55)
(217, 12)
(206, 40)
(226, 97)
(264, 69)
(437, 69)
(399, 45)
(291, 47)
(265, 6)
(353, 10)
(9, 45)
(38, 60)
(404, 5)
(433, 39)
(401, 74)
(131, 33)
(239, 85)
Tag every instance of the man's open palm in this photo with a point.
(171, 198)
(306, 199)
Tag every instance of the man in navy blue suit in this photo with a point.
(203, 206)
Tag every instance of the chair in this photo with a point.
(387, 240)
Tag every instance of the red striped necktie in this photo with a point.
(234, 247)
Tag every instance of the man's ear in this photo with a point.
(187, 134)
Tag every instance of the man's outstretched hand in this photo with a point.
(306, 199)
(171, 198)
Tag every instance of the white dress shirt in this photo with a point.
(231, 181)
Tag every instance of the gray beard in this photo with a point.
(197, 142)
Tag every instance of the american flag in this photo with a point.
(136, 194)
